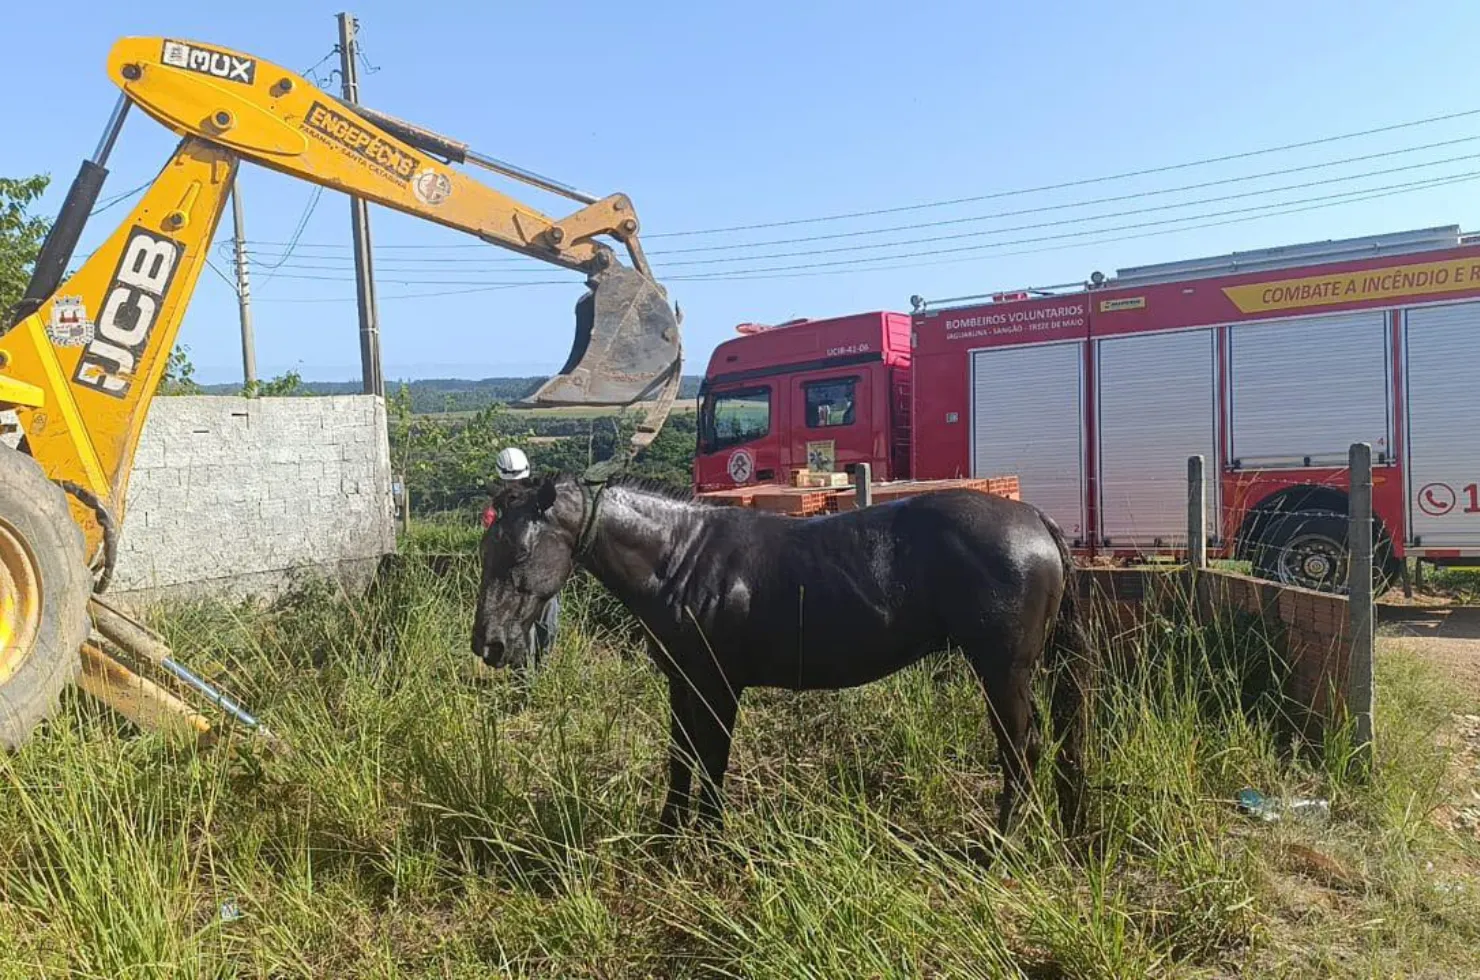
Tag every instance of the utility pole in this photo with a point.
(373, 383)
(243, 289)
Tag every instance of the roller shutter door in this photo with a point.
(1306, 389)
(1156, 408)
(1443, 443)
(1027, 418)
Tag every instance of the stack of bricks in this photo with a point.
(737, 497)
(793, 501)
(809, 501)
(1001, 486)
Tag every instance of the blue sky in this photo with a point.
(716, 115)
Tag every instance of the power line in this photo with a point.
(944, 222)
(1149, 171)
(1071, 221)
(106, 205)
(1079, 234)
(786, 272)
(872, 264)
(229, 283)
(311, 72)
(1079, 220)
(431, 282)
(429, 295)
(308, 210)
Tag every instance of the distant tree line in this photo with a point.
(441, 395)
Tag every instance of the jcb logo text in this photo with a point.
(131, 308)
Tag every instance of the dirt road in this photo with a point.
(1447, 636)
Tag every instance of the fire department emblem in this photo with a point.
(69, 325)
(741, 466)
(430, 187)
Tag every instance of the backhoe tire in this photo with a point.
(44, 590)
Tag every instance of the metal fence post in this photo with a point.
(864, 484)
(1197, 514)
(1360, 610)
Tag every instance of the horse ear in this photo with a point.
(546, 493)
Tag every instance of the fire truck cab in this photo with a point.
(821, 395)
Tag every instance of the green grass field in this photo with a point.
(436, 819)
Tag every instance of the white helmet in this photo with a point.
(512, 464)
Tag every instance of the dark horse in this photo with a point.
(735, 598)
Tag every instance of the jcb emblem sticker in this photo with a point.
(741, 466)
(348, 136)
(69, 325)
(204, 61)
(131, 308)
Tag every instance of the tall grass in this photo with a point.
(438, 819)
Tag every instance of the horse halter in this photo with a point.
(591, 507)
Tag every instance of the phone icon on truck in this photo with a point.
(1436, 499)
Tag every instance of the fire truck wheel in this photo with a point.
(1308, 549)
(44, 588)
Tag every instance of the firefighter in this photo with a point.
(513, 465)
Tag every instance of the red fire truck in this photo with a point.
(1268, 363)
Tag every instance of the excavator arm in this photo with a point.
(627, 346)
(96, 345)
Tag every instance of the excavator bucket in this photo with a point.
(626, 347)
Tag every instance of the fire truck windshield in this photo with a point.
(729, 418)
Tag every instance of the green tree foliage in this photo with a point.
(21, 235)
(179, 374)
(281, 386)
(179, 379)
(448, 460)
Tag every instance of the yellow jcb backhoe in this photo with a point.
(81, 359)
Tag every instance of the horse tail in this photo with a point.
(1071, 663)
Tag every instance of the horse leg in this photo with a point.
(714, 715)
(681, 755)
(1009, 694)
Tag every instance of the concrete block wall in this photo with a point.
(238, 496)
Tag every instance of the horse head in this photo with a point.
(528, 550)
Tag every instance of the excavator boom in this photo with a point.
(626, 350)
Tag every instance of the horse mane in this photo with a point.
(649, 486)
